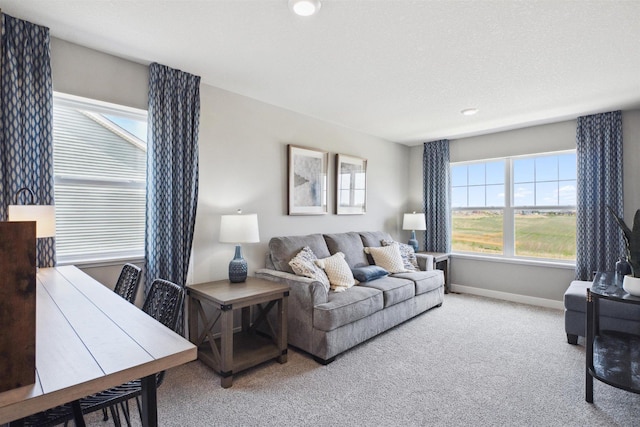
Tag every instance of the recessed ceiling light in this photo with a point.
(304, 7)
(469, 111)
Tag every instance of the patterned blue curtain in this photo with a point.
(437, 196)
(172, 173)
(26, 140)
(599, 152)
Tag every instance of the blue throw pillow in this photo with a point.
(368, 273)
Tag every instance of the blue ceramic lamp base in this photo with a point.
(238, 267)
(413, 241)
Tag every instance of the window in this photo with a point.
(477, 194)
(519, 206)
(99, 160)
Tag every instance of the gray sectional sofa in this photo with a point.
(325, 323)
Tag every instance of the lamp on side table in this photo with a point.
(239, 229)
(414, 221)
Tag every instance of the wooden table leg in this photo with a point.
(282, 329)
(193, 321)
(149, 401)
(226, 347)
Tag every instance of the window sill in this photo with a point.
(103, 262)
(569, 265)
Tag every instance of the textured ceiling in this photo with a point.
(401, 70)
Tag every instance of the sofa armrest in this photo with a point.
(304, 289)
(425, 261)
(304, 295)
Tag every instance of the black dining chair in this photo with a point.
(127, 288)
(128, 282)
(163, 303)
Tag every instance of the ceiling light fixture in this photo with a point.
(304, 7)
(469, 111)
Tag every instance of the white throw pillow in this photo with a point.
(407, 253)
(387, 257)
(340, 275)
(303, 265)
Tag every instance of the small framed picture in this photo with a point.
(307, 190)
(351, 185)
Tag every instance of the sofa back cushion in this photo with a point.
(283, 249)
(350, 244)
(374, 238)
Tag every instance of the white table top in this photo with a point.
(89, 339)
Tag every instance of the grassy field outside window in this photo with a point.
(522, 206)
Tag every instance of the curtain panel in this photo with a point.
(437, 196)
(26, 139)
(172, 173)
(599, 155)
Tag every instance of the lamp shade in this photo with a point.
(43, 215)
(239, 228)
(414, 221)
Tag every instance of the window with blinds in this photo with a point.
(99, 157)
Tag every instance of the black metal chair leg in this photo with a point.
(77, 414)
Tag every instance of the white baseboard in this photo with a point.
(524, 299)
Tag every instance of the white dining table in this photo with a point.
(89, 339)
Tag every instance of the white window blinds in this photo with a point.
(100, 175)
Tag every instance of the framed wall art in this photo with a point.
(351, 185)
(307, 190)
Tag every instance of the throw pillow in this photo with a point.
(387, 257)
(407, 253)
(303, 265)
(368, 273)
(338, 271)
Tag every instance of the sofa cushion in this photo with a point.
(374, 238)
(303, 265)
(350, 245)
(387, 257)
(338, 271)
(407, 253)
(394, 289)
(368, 273)
(425, 280)
(346, 307)
(283, 249)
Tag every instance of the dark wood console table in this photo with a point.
(611, 355)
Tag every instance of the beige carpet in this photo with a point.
(472, 362)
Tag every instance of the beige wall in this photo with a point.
(544, 285)
(243, 158)
(243, 161)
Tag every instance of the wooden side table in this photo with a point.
(230, 353)
(441, 262)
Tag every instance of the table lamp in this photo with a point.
(43, 215)
(414, 221)
(238, 229)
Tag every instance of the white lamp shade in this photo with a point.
(43, 215)
(414, 221)
(239, 228)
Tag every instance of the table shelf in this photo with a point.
(249, 349)
(616, 360)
